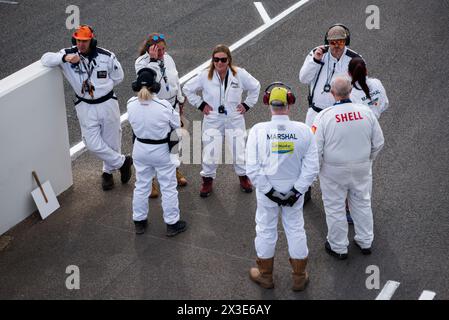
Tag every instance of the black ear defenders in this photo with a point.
(348, 34)
(146, 77)
(93, 41)
(291, 99)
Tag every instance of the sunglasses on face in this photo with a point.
(337, 42)
(224, 60)
(160, 37)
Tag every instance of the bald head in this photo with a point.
(341, 88)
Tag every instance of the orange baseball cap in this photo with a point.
(83, 33)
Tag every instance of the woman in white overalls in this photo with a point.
(153, 54)
(152, 121)
(221, 100)
(368, 91)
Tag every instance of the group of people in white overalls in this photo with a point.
(282, 158)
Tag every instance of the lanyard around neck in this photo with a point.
(89, 67)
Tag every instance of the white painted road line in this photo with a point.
(79, 148)
(8, 2)
(388, 290)
(263, 13)
(427, 295)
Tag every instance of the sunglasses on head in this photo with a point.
(224, 60)
(160, 37)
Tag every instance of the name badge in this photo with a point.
(102, 74)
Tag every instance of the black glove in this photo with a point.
(275, 196)
(291, 197)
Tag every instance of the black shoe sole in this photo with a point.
(365, 252)
(246, 190)
(141, 228)
(339, 256)
(107, 188)
(172, 234)
(204, 195)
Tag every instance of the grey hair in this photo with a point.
(278, 108)
(341, 86)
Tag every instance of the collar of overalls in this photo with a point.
(93, 53)
(343, 101)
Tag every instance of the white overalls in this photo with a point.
(281, 154)
(230, 125)
(153, 120)
(99, 122)
(348, 138)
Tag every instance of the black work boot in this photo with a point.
(339, 256)
(107, 181)
(174, 229)
(365, 251)
(140, 226)
(126, 169)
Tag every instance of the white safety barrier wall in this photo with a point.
(33, 136)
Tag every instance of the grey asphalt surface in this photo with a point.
(94, 230)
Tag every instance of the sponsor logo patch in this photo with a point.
(286, 147)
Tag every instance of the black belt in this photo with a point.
(316, 109)
(110, 95)
(172, 141)
(151, 141)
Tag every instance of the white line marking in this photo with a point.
(388, 290)
(77, 150)
(9, 2)
(427, 295)
(80, 147)
(263, 13)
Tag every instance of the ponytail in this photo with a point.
(357, 70)
(144, 94)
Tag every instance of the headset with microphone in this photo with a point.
(291, 99)
(146, 77)
(348, 35)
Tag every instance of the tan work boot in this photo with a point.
(182, 181)
(263, 274)
(299, 274)
(154, 190)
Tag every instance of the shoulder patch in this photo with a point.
(104, 51)
(352, 54)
